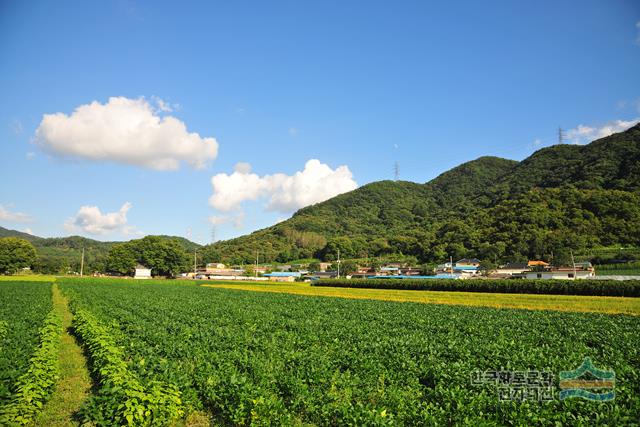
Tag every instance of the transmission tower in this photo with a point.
(396, 171)
(561, 136)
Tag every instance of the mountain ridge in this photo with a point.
(570, 184)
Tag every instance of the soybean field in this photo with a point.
(162, 351)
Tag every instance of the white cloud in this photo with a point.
(7, 215)
(583, 134)
(283, 193)
(91, 220)
(28, 231)
(124, 130)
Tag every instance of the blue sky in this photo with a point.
(277, 84)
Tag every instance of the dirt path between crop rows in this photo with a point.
(74, 384)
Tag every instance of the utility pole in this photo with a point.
(338, 263)
(256, 270)
(82, 263)
(574, 265)
(451, 264)
(195, 261)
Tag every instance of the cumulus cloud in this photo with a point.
(129, 131)
(583, 134)
(7, 215)
(283, 193)
(91, 220)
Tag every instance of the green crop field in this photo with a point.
(30, 330)
(173, 353)
(23, 308)
(265, 358)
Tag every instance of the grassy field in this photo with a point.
(611, 305)
(28, 278)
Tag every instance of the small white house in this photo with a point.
(142, 272)
(561, 273)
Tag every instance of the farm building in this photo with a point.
(468, 262)
(282, 276)
(512, 269)
(581, 271)
(142, 272)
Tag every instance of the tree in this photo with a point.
(249, 271)
(314, 266)
(15, 254)
(346, 267)
(121, 259)
(486, 267)
(165, 257)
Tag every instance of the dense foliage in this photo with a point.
(16, 254)
(628, 288)
(279, 359)
(165, 257)
(23, 309)
(61, 255)
(559, 199)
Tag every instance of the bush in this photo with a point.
(628, 288)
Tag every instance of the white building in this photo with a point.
(566, 273)
(142, 272)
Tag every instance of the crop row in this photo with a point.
(628, 288)
(121, 399)
(255, 358)
(35, 386)
(23, 309)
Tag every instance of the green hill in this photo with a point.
(561, 198)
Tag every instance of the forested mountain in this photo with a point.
(561, 197)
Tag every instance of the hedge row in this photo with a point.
(628, 288)
(121, 399)
(35, 386)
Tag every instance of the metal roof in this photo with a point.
(283, 274)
